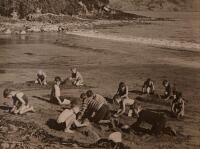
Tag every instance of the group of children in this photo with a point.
(177, 104)
(94, 108)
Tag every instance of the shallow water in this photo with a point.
(22, 55)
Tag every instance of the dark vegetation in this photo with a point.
(25, 7)
(70, 7)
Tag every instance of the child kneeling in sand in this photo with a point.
(41, 78)
(148, 87)
(157, 120)
(76, 78)
(68, 116)
(178, 105)
(20, 101)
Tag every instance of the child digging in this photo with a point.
(41, 78)
(76, 78)
(148, 87)
(178, 105)
(68, 116)
(20, 101)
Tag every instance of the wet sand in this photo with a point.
(104, 63)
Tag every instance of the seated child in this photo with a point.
(76, 78)
(178, 105)
(122, 91)
(20, 101)
(148, 87)
(41, 78)
(55, 93)
(168, 90)
(157, 120)
(124, 103)
(68, 116)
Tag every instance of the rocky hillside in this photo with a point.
(159, 5)
(24, 7)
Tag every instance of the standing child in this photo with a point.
(20, 101)
(76, 78)
(55, 93)
(41, 78)
(148, 87)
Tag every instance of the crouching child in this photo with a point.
(20, 101)
(69, 117)
(156, 120)
(178, 105)
(148, 87)
(76, 77)
(41, 78)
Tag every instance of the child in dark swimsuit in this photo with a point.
(121, 98)
(122, 91)
(157, 120)
(20, 101)
(178, 105)
(148, 87)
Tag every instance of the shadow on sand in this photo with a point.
(5, 108)
(52, 124)
(136, 92)
(153, 99)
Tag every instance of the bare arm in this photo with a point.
(126, 94)
(57, 94)
(121, 110)
(83, 109)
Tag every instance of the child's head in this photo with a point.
(57, 80)
(40, 72)
(89, 93)
(76, 109)
(6, 93)
(73, 70)
(165, 83)
(148, 80)
(83, 96)
(122, 85)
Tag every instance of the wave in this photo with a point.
(141, 40)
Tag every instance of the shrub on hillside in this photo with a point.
(25, 7)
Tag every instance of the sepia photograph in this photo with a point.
(99, 74)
